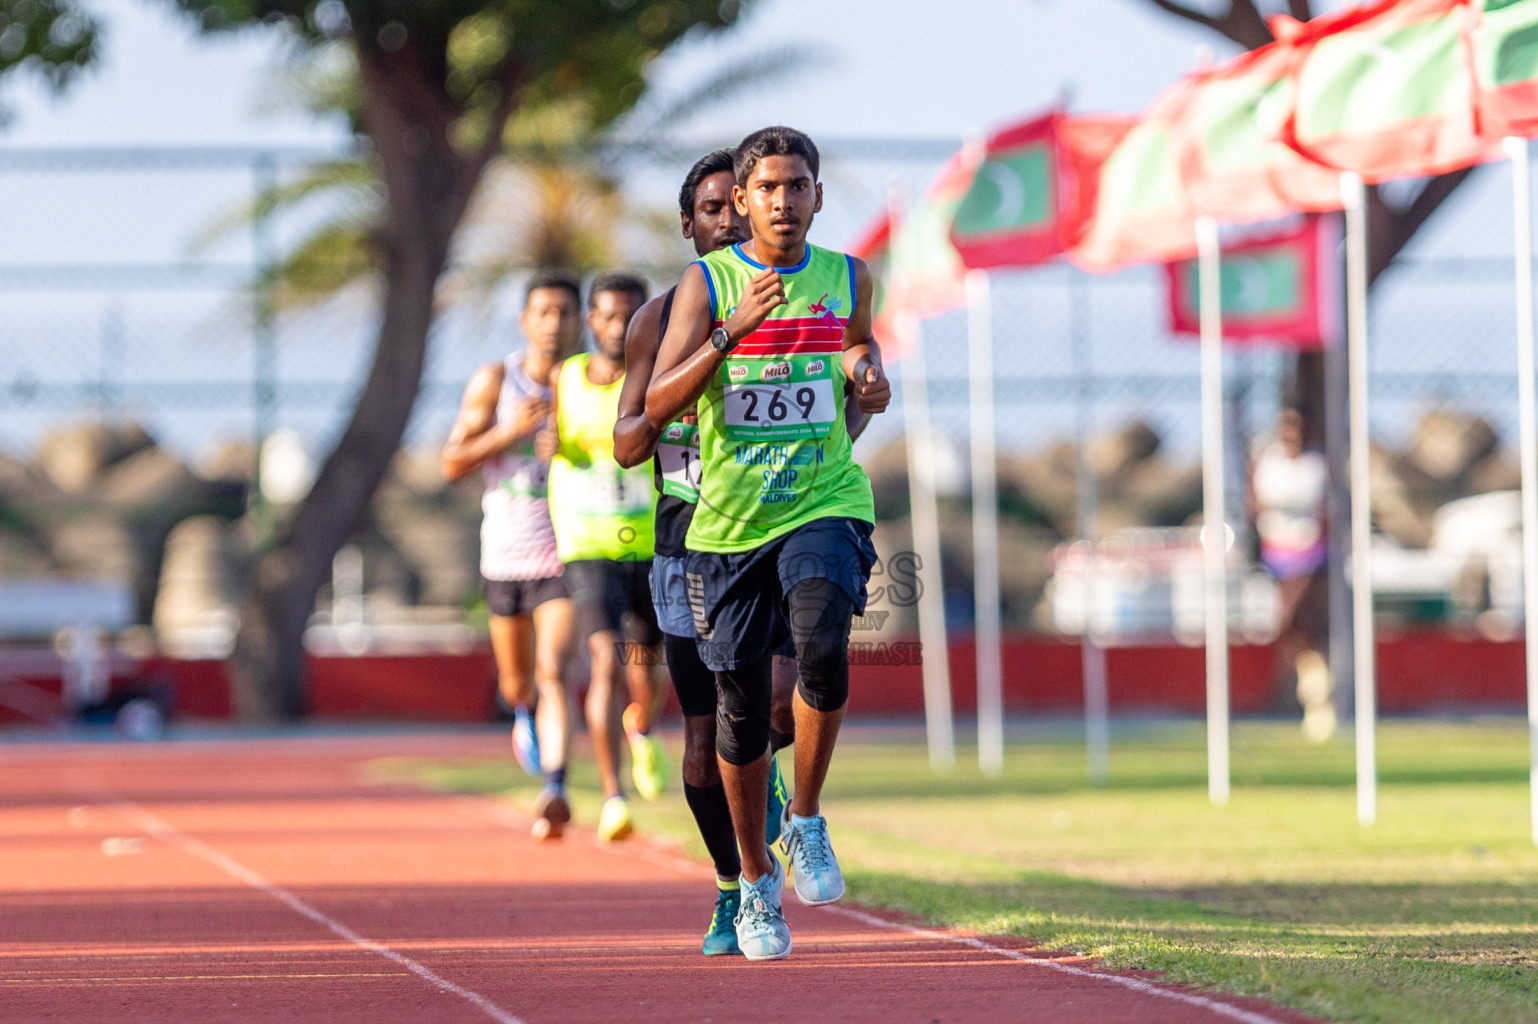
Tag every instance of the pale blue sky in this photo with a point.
(897, 67)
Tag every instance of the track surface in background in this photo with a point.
(277, 879)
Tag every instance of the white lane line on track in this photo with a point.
(155, 827)
(511, 817)
(1135, 984)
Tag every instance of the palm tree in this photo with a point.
(552, 198)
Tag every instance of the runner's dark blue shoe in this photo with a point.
(721, 939)
(525, 741)
(779, 799)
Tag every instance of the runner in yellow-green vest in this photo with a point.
(762, 338)
(604, 529)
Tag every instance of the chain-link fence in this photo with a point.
(129, 283)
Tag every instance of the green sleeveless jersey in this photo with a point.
(774, 451)
(598, 508)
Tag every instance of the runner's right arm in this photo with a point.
(477, 437)
(635, 439)
(686, 362)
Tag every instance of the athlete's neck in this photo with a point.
(537, 364)
(604, 369)
(771, 255)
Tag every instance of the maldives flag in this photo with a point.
(915, 267)
(1504, 46)
(1232, 164)
(1384, 89)
(1140, 210)
(874, 246)
(1009, 215)
(1283, 286)
(1083, 146)
(927, 276)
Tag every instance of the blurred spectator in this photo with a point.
(1288, 483)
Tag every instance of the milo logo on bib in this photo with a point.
(678, 452)
(779, 398)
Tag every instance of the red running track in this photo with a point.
(275, 880)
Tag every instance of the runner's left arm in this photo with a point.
(855, 421)
(862, 356)
(635, 439)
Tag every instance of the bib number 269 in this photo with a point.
(798, 409)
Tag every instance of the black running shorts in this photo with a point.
(614, 596)
(507, 598)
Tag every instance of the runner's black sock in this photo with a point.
(714, 817)
(778, 741)
(556, 777)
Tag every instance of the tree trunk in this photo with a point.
(428, 186)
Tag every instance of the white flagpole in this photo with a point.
(1214, 515)
(1354, 196)
(925, 517)
(1521, 177)
(1097, 701)
(926, 543)
(985, 527)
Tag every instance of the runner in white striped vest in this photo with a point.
(505, 406)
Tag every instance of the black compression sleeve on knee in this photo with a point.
(742, 717)
(820, 616)
(778, 741)
(714, 818)
(694, 683)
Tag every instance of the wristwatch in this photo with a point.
(721, 341)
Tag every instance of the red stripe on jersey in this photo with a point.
(826, 348)
(788, 335)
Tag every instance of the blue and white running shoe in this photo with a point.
(762, 933)
(818, 877)
(525, 741)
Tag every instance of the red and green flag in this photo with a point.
(1140, 209)
(915, 267)
(926, 274)
(874, 246)
(1009, 215)
(1083, 146)
(1504, 47)
(1232, 164)
(1385, 89)
(1283, 287)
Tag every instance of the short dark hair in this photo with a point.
(553, 277)
(776, 140)
(615, 281)
(711, 163)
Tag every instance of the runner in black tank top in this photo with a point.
(674, 513)
(710, 221)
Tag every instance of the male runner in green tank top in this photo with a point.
(603, 519)
(711, 221)
(763, 336)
